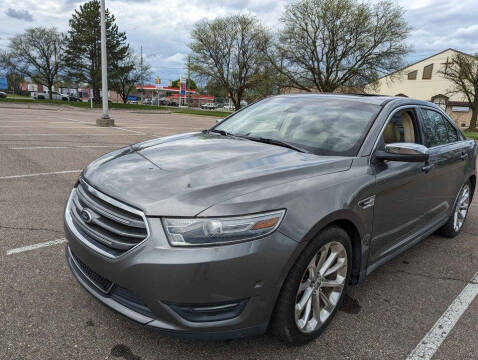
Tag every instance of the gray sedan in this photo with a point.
(264, 221)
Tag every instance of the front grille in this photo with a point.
(104, 223)
(96, 279)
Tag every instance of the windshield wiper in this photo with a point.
(275, 142)
(222, 132)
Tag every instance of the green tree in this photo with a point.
(83, 50)
(463, 73)
(328, 45)
(127, 73)
(38, 54)
(228, 50)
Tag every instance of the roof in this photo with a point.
(162, 88)
(416, 62)
(365, 98)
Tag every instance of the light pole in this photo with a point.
(105, 118)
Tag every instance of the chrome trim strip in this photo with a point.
(86, 276)
(72, 227)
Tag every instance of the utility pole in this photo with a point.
(188, 79)
(105, 119)
(141, 72)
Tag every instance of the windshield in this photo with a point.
(321, 125)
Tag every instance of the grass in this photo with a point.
(216, 114)
(471, 135)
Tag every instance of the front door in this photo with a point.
(402, 196)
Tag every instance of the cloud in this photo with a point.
(19, 14)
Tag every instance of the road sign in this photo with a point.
(3, 83)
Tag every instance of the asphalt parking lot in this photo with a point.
(45, 314)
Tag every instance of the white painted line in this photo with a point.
(38, 174)
(36, 246)
(438, 333)
(48, 127)
(55, 134)
(64, 147)
(133, 131)
(474, 204)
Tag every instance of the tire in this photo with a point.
(295, 326)
(453, 226)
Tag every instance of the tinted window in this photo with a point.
(322, 125)
(436, 128)
(452, 133)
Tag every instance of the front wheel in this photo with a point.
(314, 288)
(455, 223)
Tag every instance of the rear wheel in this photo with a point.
(455, 223)
(314, 288)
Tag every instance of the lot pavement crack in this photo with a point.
(432, 276)
(29, 228)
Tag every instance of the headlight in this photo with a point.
(213, 231)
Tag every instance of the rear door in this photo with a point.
(447, 157)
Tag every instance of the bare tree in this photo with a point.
(463, 73)
(227, 50)
(127, 73)
(338, 44)
(37, 53)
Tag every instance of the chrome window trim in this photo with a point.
(86, 242)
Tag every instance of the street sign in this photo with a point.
(3, 83)
(183, 85)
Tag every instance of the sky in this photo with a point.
(162, 28)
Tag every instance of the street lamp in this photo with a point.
(105, 118)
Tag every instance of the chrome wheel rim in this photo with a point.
(321, 287)
(461, 208)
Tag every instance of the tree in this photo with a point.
(228, 50)
(37, 53)
(127, 73)
(190, 84)
(463, 73)
(83, 50)
(338, 44)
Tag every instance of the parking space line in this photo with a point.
(38, 174)
(133, 131)
(55, 134)
(36, 246)
(64, 147)
(438, 333)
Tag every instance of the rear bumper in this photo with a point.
(150, 283)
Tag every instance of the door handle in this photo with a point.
(428, 167)
(463, 156)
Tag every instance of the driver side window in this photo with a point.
(401, 128)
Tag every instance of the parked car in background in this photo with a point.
(229, 108)
(72, 97)
(45, 96)
(265, 220)
(209, 106)
(3, 95)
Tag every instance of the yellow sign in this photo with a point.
(158, 80)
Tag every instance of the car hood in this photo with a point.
(185, 174)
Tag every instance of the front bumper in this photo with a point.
(153, 280)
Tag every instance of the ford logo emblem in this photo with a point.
(86, 216)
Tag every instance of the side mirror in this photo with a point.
(219, 120)
(406, 152)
